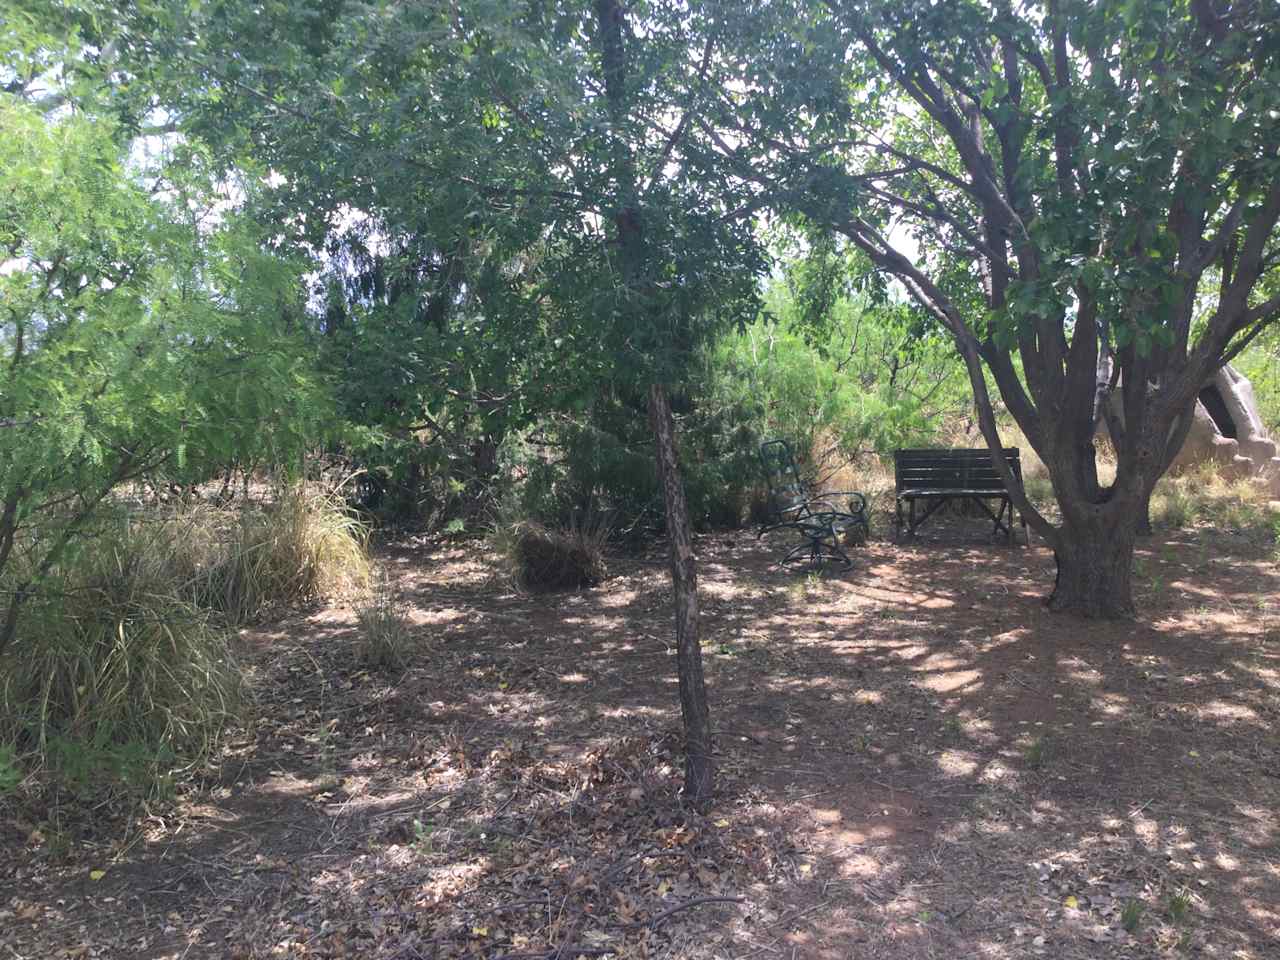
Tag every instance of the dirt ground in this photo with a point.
(915, 759)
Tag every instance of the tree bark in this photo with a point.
(698, 769)
(1095, 560)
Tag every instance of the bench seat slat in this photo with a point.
(954, 492)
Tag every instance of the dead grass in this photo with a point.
(386, 633)
(301, 547)
(115, 676)
(1203, 496)
(541, 557)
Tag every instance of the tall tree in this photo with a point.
(495, 190)
(1083, 194)
(640, 294)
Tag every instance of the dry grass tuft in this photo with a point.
(1203, 495)
(304, 547)
(123, 667)
(540, 557)
(113, 672)
(386, 638)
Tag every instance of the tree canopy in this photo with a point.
(517, 216)
(145, 330)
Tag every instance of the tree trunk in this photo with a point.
(698, 771)
(1095, 561)
(1143, 528)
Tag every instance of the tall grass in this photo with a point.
(1203, 495)
(386, 634)
(123, 664)
(305, 546)
(112, 671)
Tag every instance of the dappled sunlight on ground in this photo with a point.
(915, 760)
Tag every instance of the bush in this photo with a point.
(111, 672)
(385, 638)
(539, 557)
(122, 666)
(305, 546)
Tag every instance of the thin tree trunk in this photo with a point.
(698, 770)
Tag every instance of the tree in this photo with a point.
(137, 335)
(530, 235)
(640, 269)
(1084, 195)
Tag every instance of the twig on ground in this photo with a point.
(661, 918)
(735, 733)
(574, 950)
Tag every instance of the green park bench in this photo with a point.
(937, 477)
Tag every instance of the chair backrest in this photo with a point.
(951, 469)
(787, 492)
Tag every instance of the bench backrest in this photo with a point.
(951, 469)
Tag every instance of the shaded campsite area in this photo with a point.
(915, 759)
(640, 480)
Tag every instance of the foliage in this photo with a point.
(857, 386)
(1071, 190)
(1261, 364)
(520, 214)
(842, 386)
(113, 674)
(146, 331)
(467, 283)
(122, 665)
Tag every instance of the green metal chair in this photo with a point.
(816, 517)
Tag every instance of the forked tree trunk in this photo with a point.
(698, 770)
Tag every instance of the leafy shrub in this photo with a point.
(842, 395)
(386, 640)
(112, 672)
(1261, 364)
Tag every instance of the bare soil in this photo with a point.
(916, 760)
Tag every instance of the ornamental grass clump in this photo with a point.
(543, 558)
(113, 673)
(304, 547)
(386, 638)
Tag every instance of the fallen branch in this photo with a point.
(574, 950)
(696, 902)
